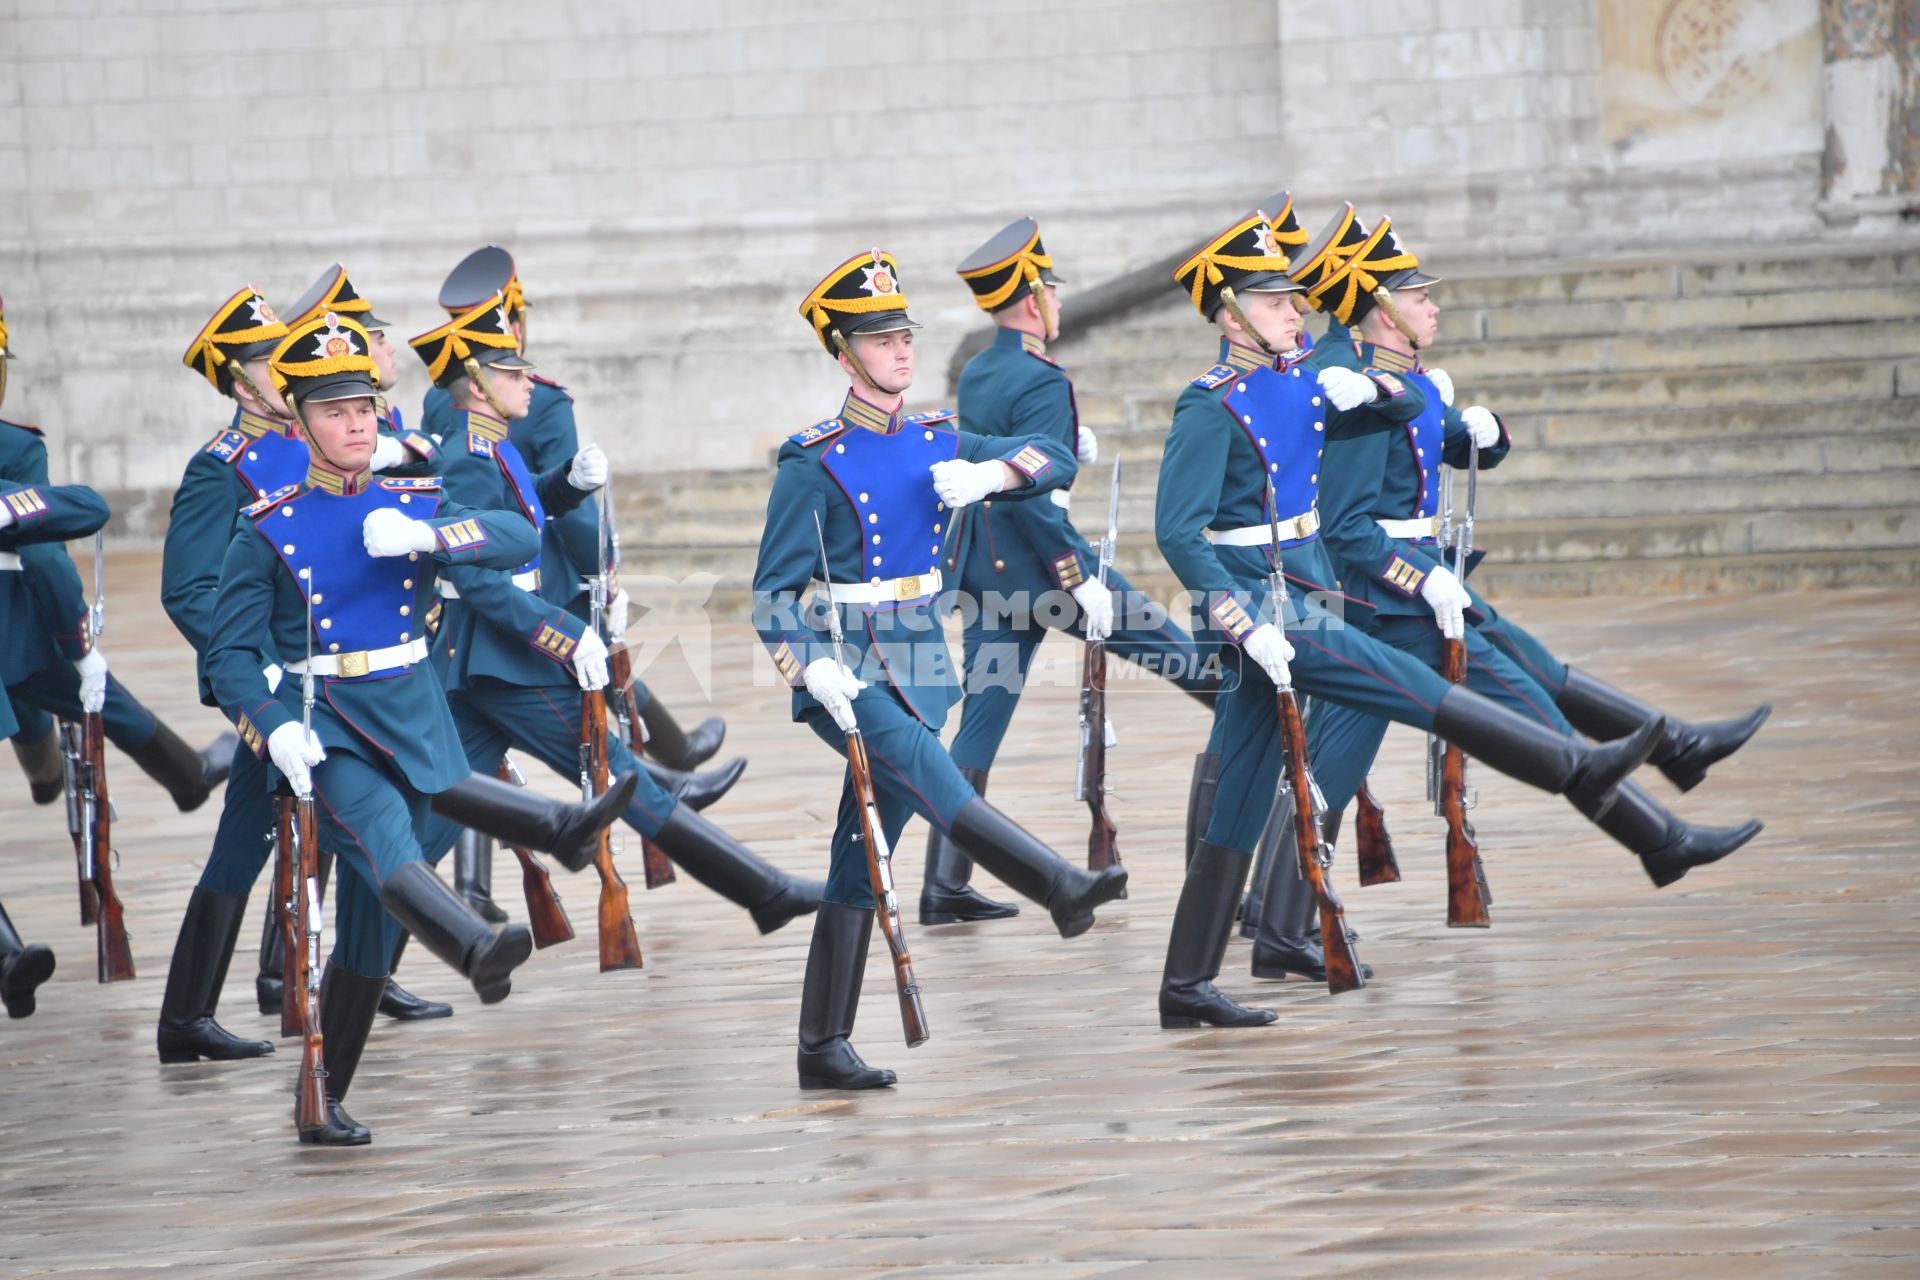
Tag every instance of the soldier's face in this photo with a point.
(342, 431)
(1421, 313)
(513, 388)
(887, 357)
(383, 357)
(1275, 315)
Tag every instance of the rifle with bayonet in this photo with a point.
(83, 762)
(1090, 773)
(1467, 896)
(622, 704)
(545, 916)
(1308, 808)
(886, 902)
(619, 942)
(310, 1111)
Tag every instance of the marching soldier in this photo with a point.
(329, 579)
(516, 665)
(1256, 424)
(883, 485)
(1027, 556)
(569, 551)
(1381, 504)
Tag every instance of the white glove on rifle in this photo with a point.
(272, 673)
(1443, 383)
(387, 452)
(961, 484)
(6, 515)
(1096, 608)
(590, 661)
(296, 749)
(617, 610)
(93, 680)
(1481, 422)
(388, 533)
(834, 687)
(1268, 646)
(1448, 600)
(1347, 389)
(589, 470)
(1086, 448)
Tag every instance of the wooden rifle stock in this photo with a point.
(116, 952)
(619, 942)
(286, 915)
(310, 1112)
(545, 916)
(1343, 965)
(1372, 846)
(913, 1015)
(1103, 848)
(1466, 880)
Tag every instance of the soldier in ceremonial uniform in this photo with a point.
(1256, 423)
(547, 437)
(341, 566)
(1024, 564)
(884, 485)
(36, 514)
(1380, 500)
(51, 668)
(516, 665)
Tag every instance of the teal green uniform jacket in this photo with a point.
(865, 475)
(42, 514)
(397, 718)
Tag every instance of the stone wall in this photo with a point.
(672, 176)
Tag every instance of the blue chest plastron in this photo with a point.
(1426, 437)
(887, 482)
(520, 483)
(359, 601)
(271, 462)
(1277, 410)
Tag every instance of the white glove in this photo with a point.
(273, 673)
(296, 749)
(1347, 389)
(589, 470)
(834, 687)
(6, 515)
(1268, 646)
(388, 533)
(590, 661)
(1443, 383)
(1448, 600)
(1481, 422)
(1113, 739)
(617, 610)
(1096, 608)
(1086, 448)
(961, 484)
(387, 452)
(93, 680)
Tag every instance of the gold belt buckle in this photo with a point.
(906, 588)
(354, 664)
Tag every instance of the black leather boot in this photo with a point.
(836, 964)
(473, 875)
(1202, 922)
(1200, 793)
(188, 1032)
(401, 1004)
(1587, 774)
(1668, 847)
(945, 895)
(697, 789)
(735, 872)
(446, 926)
(1685, 751)
(1247, 912)
(1032, 870)
(273, 953)
(519, 816)
(348, 1001)
(676, 749)
(40, 761)
(22, 968)
(188, 775)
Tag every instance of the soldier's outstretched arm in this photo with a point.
(32, 513)
(501, 605)
(1042, 461)
(1457, 442)
(492, 539)
(240, 648)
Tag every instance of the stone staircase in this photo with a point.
(1739, 422)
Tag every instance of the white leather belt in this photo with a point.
(528, 582)
(363, 662)
(888, 591)
(1060, 498)
(1259, 535)
(9, 561)
(1425, 527)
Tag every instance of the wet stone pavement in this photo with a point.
(1721, 1078)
